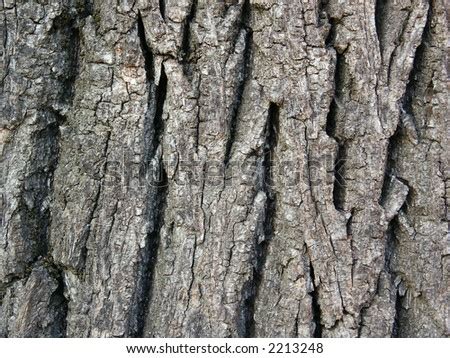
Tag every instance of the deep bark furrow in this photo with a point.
(186, 46)
(149, 256)
(339, 178)
(315, 305)
(249, 293)
(157, 185)
(397, 317)
(339, 175)
(162, 8)
(380, 14)
(146, 51)
(417, 67)
(243, 76)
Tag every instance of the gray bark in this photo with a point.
(235, 168)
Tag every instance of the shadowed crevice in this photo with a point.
(186, 46)
(396, 327)
(380, 19)
(146, 50)
(154, 171)
(249, 294)
(331, 130)
(391, 158)
(316, 310)
(339, 187)
(235, 108)
(162, 8)
(418, 64)
(59, 303)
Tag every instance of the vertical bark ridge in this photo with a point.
(415, 300)
(56, 94)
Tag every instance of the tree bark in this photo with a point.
(234, 168)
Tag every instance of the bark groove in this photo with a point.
(245, 168)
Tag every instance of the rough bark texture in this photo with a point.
(234, 168)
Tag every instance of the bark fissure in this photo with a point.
(417, 67)
(235, 108)
(59, 302)
(251, 288)
(339, 178)
(380, 15)
(149, 257)
(315, 305)
(186, 47)
(157, 186)
(162, 8)
(156, 174)
(146, 51)
(331, 126)
(397, 316)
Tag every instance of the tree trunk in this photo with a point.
(234, 168)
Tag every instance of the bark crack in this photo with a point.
(235, 108)
(157, 187)
(186, 49)
(316, 310)
(331, 125)
(162, 8)
(251, 287)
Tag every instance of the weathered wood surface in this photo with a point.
(234, 168)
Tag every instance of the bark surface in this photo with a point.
(234, 168)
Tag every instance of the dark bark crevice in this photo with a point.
(158, 123)
(148, 257)
(331, 130)
(186, 46)
(162, 8)
(36, 221)
(393, 144)
(418, 65)
(249, 293)
(339, 84)
(157, 186)
(380, 18)
(339, 178)
(397, 317)
(321, 13)
(235, 108)
(243, 75)
(316, 310)
(393, 225)
(59, 303)
(245, 14)
(85, 8)
(146, 50)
